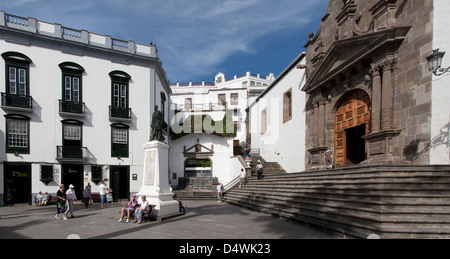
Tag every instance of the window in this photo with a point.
(163, 104)
(17, 66)
(17, 132)
(120, 136)
(72, 139)
(97, 174)
(72, 132)
(287, 106)
(71, 88)
(188, 104)
(46, 174)
(119, 139)
(264, 121)
(222, 99)
(17, 80)
(234, 99)
(119, 95)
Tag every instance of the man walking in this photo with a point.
(242, 177)
(71, 197)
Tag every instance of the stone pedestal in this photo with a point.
(380, 147)
(155, 184)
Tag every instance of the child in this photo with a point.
(109, 196)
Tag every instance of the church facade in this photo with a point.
(370, 91)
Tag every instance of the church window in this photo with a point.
(287, 106)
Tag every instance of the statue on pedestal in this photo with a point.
(157, 125)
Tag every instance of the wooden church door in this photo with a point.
(352, 121)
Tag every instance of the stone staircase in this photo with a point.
(390, 201)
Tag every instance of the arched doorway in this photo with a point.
(197, 168)
(352, 122)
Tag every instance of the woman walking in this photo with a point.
(61, 202)
(259, 170)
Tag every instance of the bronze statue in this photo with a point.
(157, 125)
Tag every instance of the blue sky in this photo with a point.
(196, 39)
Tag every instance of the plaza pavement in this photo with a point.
(206, 219)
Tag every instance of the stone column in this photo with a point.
(387, 94)
(376, 99)
(321, 129)
(316, 124)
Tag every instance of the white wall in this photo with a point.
(440, 120)
(283, 142)
(221, 159)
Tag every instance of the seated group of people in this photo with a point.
(138, 208)
(142, 207)
(41, 199)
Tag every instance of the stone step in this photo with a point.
(392, 201)
(391, 208)
(361, 199)
(363, 226)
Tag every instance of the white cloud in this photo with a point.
(202, 42)
(193, 37)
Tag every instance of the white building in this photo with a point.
(277, 119)
(440, 119)
(213, 99)
(76, 108)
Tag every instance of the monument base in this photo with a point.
(156, 181)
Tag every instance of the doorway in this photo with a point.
(352, 121)
(17, 183)
(356, 145)
(73, 174)
(120, 182)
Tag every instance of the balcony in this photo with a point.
(201, 107)
(75, 109)
(119, 114)
(71, 154)
(12, 102)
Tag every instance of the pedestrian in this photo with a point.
(109, 195)
(86, 196)
(144, 207)
(61, 202)
(90, 189)
(219, 192)
(242, 176)
(259, 170)
(103, 190)
(71, 198)
(328, 159)
(130, 208)
(181, 208)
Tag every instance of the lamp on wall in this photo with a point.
(435, 62)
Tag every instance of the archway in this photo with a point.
(352, 122)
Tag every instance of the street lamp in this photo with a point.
(435, 62)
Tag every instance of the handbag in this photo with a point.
(61, 208)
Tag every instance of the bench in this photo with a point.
(52, 199)
(147, 216)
